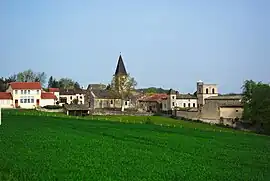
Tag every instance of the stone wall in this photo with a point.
(111, 112)
(49, 110)
(187, 114)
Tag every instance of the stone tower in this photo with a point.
(204, 91)
(171, 101)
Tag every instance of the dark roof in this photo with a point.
(120, 68)
(233, 105)
(185, 96)
(225, 97)
(71, 91)
(75, 107)
(153, 98)
(103, 94)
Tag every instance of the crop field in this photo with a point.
(53, 147)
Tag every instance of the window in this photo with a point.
(111, 101)
(172, 103)
(126, 103)
(213, 91)
(165, 106)
(80, 97)
(21, 91)
(16, 91)
(32, 100)
(194, 105)
(25, 101)
(21, 100)
(37, 91)
(236, 110)
(24, 91)
(184, 104)
(77, 97)
(28, 100)
(80, 102)
(172, 97)
(206, 90)
(188, 104)
(70, 97)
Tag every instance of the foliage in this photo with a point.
(75, 101)
(122, 87)
(30, 76)
(66, 83)
(153, 90)
(77, 85)
(54, 148)
(52, 107)
(256, 100)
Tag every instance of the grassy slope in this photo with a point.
(38, 147)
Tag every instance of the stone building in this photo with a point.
(151, 103)
(99, 96)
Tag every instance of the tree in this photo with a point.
(122, 87)
(75, 101)
(66, 83)
(30, 76)
(77, 85)
(50, 82)
(5, 81)
(256, 100)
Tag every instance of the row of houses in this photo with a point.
(206, 103)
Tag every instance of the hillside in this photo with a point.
(39, 147)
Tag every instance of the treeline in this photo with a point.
(31, 76)
(256, 101)
(153, 90)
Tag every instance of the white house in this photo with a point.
(177, 100)
(66, 96)
(26, 95)
(6, 100)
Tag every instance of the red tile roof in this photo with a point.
(25, 85)
(54, 90)
(5, 95)
(154, 98)
(48, 95)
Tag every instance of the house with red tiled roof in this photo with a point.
(26, 95)
(152, 103)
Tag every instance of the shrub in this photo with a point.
(148, 121)
(52, 107)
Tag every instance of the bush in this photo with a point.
(52, 107)
(148, 121)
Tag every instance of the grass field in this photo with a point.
(54, 147)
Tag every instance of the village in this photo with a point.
(206, 104)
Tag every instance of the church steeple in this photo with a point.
(120, 69)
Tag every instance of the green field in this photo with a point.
(36, 146)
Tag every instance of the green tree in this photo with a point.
(77, 85)
(66, 83)
(256, 100)
(30, 76)
(50, 82)
(122, 87)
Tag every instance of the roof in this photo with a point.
(120, 68)
(225, 97)
(72, 91)
(232, 106)
(76, 107)
(54, 89)
(5, 95)
(153, 98)
(185, 96)
(25, 85)
(104, 94)
(47, 95)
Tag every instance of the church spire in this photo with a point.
(120, 69)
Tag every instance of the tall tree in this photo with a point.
(122, 87)
(30, 76)
(256, 100)
(50, 82)
(66, 83)
(77, 85)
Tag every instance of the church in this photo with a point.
(101, 97)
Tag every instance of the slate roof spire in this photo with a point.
(120, 68)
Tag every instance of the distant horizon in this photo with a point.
(168, 44)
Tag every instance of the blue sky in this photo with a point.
(169, 44)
